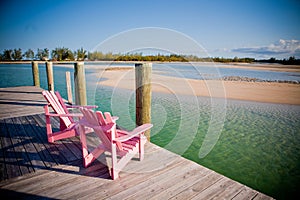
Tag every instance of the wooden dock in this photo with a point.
(31, 168)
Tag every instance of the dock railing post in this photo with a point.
(35, 73)
(50, 80)
(69, 87)
(80, 84)
(143, 73)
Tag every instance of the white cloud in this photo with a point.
(282, 48)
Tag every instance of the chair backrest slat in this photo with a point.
(56, 105)
(96, 119)
(101, 118)
(62, 103)
(108, 117)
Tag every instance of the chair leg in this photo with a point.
(49, 130)
(114, 162)
(85, 152)
(142, 141)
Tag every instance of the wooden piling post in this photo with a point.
(143, 73)
(35, 73)
(80, 84)
(50, 80)
(69, 87)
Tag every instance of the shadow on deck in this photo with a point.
(25, 149)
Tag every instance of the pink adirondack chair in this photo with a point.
(120, 143)
(67, 123)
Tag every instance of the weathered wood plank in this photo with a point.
(73, 143)
(11, 162)
(18, 142)
(214, 189)
(30, 127)
(21, 101)
(183, 183)
(261, 196)
(63, 150)
(52, 148)
(153, 180)
(80, 190)
(3, 173)
(198, 186)
(127, 181)
(168, 181)
(246, 193)
(31, 151)
(230, 192)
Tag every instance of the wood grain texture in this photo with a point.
(35, 73)
(80, 84)
(143, 72)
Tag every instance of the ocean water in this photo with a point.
(254, 143)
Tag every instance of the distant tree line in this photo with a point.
(65, 54)
(291, 61)
(94, 56)
(58, 54)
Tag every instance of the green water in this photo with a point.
(258, 144)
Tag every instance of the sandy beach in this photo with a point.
(269, 92)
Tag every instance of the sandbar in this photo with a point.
(268, 92)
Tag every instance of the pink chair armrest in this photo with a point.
(115, 118)
(138, 130)
(64, 115)
(77, 106)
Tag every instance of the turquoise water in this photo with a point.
(200, 71)
(258, 144)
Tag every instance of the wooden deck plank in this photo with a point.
(39, 144)
(52, 148)
(161, 185)
(127, 181)
(71, 144)
(214, 189)
(11, 163)
(132, 192)
(21, 101)
(261, 196)
(230, 192)
(35, 159)
(246, 193)
(62, 148)
(3, 168)
(198, 186)
(182, 183)
(17, 142)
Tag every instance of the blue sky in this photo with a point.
(228, 28)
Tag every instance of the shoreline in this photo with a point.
(254, 66)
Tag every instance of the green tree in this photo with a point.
(68, 55)
(81, 54)
(292, 59)
(61, 54)
(17, 54)
(42, 54)
(46, 54)
(57, 54)
(272, 60)
(7, 54)
(29, 54)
